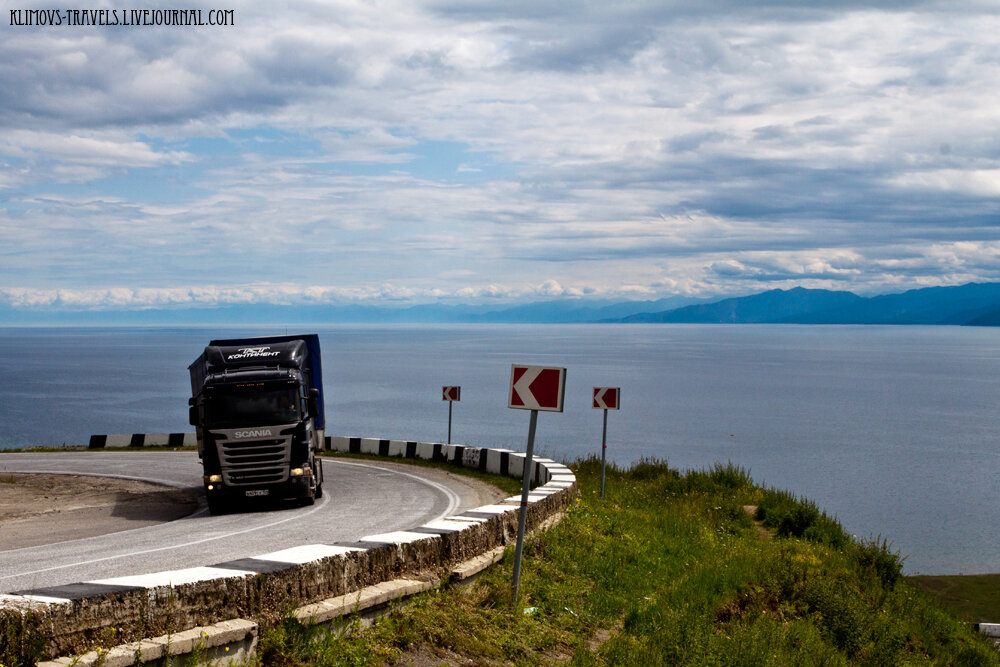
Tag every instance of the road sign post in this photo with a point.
(450, 394)
(522, 517)
(605, 398)
(532, 388)
(604, 450)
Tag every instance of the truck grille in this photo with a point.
(253, 462)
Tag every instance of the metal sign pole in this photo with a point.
(523, 516)
(449, 422)
(604, 449)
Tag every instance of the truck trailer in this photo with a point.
(257, 407)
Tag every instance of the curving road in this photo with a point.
(359, 499)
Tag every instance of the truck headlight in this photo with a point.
(213, 479)
(298, 472)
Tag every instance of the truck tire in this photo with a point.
(310, 496)
(318, 467)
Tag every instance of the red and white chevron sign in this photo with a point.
(607, 398)
(537, 388)
(451, 393)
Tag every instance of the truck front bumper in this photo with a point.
(294, 487)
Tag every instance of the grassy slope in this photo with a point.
(972, 597)
(668, 569)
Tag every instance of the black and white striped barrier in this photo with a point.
(143, 440)
(328, 579)
(505, 462)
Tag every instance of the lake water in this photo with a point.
(891, 429)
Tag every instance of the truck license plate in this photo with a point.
(257, 492)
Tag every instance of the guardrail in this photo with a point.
(322, 577)
(143, 440)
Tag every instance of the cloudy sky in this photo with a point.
(395, 152)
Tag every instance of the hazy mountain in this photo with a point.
(990, 318)
(771, 306)
(580, 311)
(973, 304)
(930, 305)
(565, 311)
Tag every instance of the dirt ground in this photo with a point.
(43, 509)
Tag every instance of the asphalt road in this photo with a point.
(360, 498)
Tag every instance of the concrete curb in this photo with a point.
(989, 629)
(220, 644)
(390, 591)
(74, 616)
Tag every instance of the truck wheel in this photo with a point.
(306, 501)
(318, 467)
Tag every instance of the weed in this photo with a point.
(730, 476)
(792, 516)
(21, 638)
(876, 556)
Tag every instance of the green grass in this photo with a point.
(668, 570)
(973, 597)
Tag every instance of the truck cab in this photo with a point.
(257, 407)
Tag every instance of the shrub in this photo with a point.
(826, 531)
(651, 468)
(876, 557)
(791, 516)
(799, 518)
(731, 476)
(842, 614)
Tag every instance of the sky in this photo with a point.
(318, 152)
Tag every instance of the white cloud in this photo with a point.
(446, 150)
(978, 182)
(105, 151)
(285, 293)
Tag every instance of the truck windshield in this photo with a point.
(254, 405)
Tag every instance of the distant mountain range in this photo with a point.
(550, 312)
(971, 304)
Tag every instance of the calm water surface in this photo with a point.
(892, 429)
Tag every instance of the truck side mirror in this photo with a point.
(313, 403)
(193, 415)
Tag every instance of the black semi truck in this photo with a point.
(257, 405)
